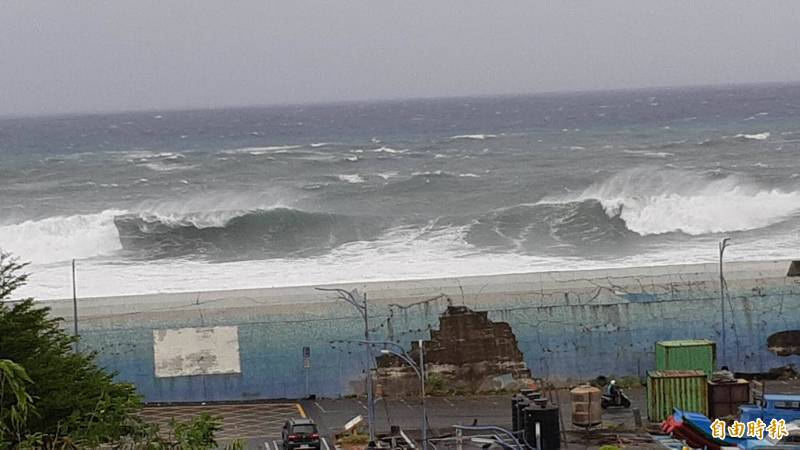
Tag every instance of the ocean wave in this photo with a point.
(257, 151)
(236, 235)
(387, 150)
(564, 229)
(477, 137)
(62, 238)
(387, 175)
(755, 137)
(350, 178)
(656, 201)
(647, 154)
(741, 138)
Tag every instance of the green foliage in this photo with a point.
(54, 398)
(73, 397)
(15, 403)
(354, 439)
(435, 384)
(609, 447)
(196, 434)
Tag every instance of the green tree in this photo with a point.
(54, 398)
(15, 402)
(73, 396)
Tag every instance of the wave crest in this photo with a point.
(236, 235)
(62, 238)
(657, 201)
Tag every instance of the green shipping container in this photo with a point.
(669, 389)
(690, 354)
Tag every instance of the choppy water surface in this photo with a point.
(171, 201)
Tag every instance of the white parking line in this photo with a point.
(325, 441)
(362, 405)
(275, 443)
(320, 407)
(448, 402)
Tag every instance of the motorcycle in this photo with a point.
(613, 396)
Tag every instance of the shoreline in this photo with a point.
(463, 289)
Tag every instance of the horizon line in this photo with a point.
(379, 100)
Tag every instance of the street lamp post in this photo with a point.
(420, 371)
(722, 246)
(361, 307)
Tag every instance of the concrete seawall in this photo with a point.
(248, 344)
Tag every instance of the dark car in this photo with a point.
(300, 434)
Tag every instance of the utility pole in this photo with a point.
(74, 306)
(420, 371)
(361, 306)
(722, 246)
(424, 411)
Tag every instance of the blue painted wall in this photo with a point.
(564, 336)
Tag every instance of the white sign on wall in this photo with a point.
(196, 351)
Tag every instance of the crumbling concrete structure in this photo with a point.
(468, 353)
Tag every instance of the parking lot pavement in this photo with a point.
(443, 412)
(257, 423)
(261, 423)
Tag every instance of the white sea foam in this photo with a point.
(350, 178)
(387, 150)
(387, 175)
(647, 154)
(62, 238)
(755, 137)
(256, 151)
(468, 175)
(478, 137)
(653, 201)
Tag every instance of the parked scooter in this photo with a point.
(613, 396)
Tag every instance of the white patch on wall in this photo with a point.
(196, 351)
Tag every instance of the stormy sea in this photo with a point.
(166, 201)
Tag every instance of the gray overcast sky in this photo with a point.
(82, 55)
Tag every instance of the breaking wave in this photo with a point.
(217, 235)
(62, 238)
(570, 228)
(236, 235)
(657, 201)
(476, 137)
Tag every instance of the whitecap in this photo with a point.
(62, 238)
(647, 154)
(350, 178)
(387, 150)
(256, 151)
(756, 137)
(479, 137)
(656, 201)
(386, 175)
